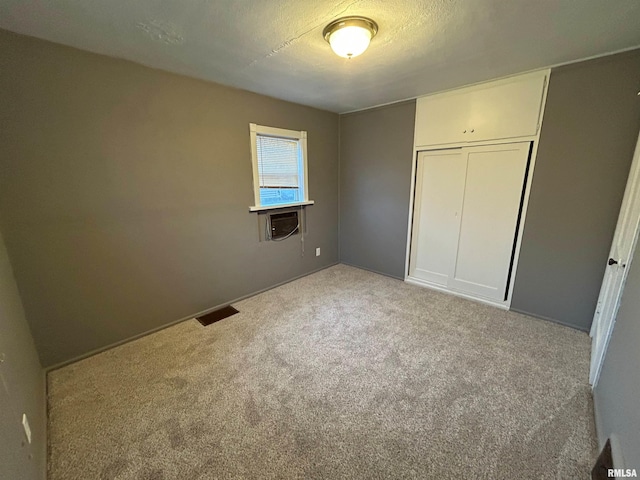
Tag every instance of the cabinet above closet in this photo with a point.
(507, 108)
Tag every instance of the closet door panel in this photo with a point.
(438, 203)
(492, 195)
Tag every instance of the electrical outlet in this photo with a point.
(25, 425)
(318, 252)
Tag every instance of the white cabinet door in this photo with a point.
(505, 111)
(438, 203)
(441, 119)
(492, 197)
(508, 108)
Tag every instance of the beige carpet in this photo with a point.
(342, 374)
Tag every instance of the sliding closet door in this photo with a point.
(492, 195)
(436, 218)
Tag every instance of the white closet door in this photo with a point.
(436, 221)
(492, 195)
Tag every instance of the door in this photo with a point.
(442, 119)
(439, 190)
(506, 111)
(492, 197)
(466, 210)
(624, 240)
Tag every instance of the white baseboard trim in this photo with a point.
(549, 319)
(371, 270)
(421, 283)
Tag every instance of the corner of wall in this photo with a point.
(23, 384)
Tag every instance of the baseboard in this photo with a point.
(371, 270)
(175, 322)
(453, 293)
(548, 319)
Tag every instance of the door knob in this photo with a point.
(612, 262)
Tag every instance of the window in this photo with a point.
(279, 167)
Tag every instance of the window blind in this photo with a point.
(278, 165)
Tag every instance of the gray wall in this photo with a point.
(22, 386)
(376, 149)
(617, 395)
(125, 190)
(589, 132)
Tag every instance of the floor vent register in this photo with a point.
(217, 315)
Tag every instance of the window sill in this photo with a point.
(282, 205)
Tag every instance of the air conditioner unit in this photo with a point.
(283, 224)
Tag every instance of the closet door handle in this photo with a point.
(612, 262)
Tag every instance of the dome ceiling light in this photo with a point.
(350, 36)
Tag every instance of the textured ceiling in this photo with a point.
(275, 47)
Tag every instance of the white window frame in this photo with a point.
(301, 137)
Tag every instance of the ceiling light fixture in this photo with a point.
(350, 36)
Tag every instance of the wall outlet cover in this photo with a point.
(318, 252)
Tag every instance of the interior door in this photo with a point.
(439, 191)
(492, 197)
(624, 241)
